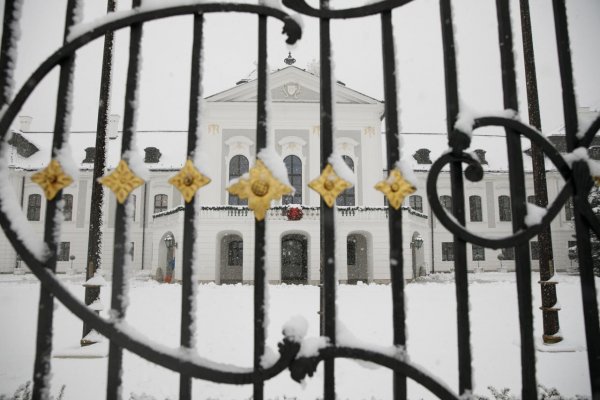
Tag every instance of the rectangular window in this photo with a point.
(535, 251)
(478, 253)
(131, 249)
(351, 251)
(63, 251)
(68, 207)
(416, 203)
(475, 208)
(569, 209)
(572, 250)
(447, 251)
(509, 253)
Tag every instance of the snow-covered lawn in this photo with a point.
(225, 334)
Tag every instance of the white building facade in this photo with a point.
(225, 225)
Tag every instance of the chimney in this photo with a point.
(25, 123)
(113, 126)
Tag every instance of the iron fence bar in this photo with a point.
(259, 226)
(94, 259)
(518, 203)
(327, 221)
(546, 257)
(580, 194)
(119, 278)
(8, 57)
(458, 206)
(392, 132)
(43, 352)
(188, 293)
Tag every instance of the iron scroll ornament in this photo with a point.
(577, 181)
(180, 359)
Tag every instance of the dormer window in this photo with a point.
(152, 155)
(481, 156)
(90, 155)
(422, 156)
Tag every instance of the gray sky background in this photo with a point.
(230, 53)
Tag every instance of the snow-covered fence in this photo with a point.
(301, 356)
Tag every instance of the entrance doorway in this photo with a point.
(294, 258)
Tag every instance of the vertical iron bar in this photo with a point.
(395, 216)
(94, 259)
(518, 203)
(328, 312)
(8, 54)
(259, 226)
(120, 255)
(42, 365)
(458, 205)
(586, 266)
(546, 263)
(189, 232)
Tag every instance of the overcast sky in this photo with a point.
(230, 53)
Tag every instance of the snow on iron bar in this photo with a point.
(180, 353)
(295, 328)
(581, 154)
(341, 168)
(467, 116)
(275, 164)
(535, 214)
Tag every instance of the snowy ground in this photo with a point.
(225, 334)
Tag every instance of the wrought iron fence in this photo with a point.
(577, 177)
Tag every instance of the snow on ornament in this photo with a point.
(294, 213)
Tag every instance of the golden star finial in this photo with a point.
(121, 181)
(188, 180)
(52, 179)
(260, 189)
(395, 188)
(329, 185)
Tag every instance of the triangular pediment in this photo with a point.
(291, 84)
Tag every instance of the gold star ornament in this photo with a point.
(395, 188)
(122, 181)
(52, 179)
(189, 180)
(329, 185)
(259, 189)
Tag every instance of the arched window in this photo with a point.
(294, 170)
(416, 203)
(347, 197)
(34, 205)
(475, 208)
(238, 166)
(161, 203)
(446, 203)
(504, 208)
(68, 207)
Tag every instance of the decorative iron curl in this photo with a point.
(291, 28)
(301, 7)
(306, 366)
(173, 359)
(574, 183)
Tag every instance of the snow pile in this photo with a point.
(310, 346)
(535, 214)
(296, 328)
(407, 172)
